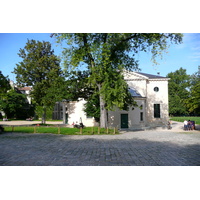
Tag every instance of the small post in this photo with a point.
(81, 130)
(58, 129)
(114, 130)
(34, 129)
(107, 130)
(98, 130)
(92, 130)
(12, 128)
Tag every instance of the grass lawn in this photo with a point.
(60, 130)
(181, 119)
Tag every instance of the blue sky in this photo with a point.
(185, 55)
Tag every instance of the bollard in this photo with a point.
(58, 130)
(12, 128)
(114, 130)
(107, 130)
(81, 130)
(92, 130)
(98, 130)
(34, 129)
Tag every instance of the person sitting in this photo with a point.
(193, 125)
(189, 125)
(185, 125)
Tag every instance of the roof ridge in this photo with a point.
(150, 75)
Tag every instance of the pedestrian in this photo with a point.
(185, 125)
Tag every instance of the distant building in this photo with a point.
(26, 91)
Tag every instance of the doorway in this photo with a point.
(124, 120)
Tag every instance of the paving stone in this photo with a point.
(142, 148)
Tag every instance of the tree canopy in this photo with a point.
(15, 105)
(40, 68)
(4, 84)
(194, 99)
(105, 56)
(179, 85)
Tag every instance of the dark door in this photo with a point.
(124, 120)
(66, 118)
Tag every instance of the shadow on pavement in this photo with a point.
(59, 150)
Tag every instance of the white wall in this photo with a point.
(160, 97)
(114, 117)
(75, 110)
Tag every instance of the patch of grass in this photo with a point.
(60, 130)
(181, 119)
(20, 129)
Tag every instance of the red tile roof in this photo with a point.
(25, 88)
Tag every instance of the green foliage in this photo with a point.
(4, 84)
(92, 107)
(39, 112)
(179, 85)
(15, 105)
(40, 68)
(77, 85)
(194, 99)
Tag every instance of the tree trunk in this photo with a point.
(103, 113)
(44, 115)
(64, 113)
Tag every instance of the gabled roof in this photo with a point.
(142, 76)
(150, 76)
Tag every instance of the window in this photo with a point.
(156, 89)
(141, 116)
(156, 110)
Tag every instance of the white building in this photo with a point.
(149, 91)
(27, 92)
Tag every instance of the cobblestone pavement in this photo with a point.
(140, 148)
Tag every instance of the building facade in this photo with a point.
(151, 94)
(149, 91)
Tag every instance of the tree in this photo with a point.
(40, 68)
(179, 92)
(4, 88)
(92, 107)
(15, 105)
(4, 84)
(194, 100)
(106, 56)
